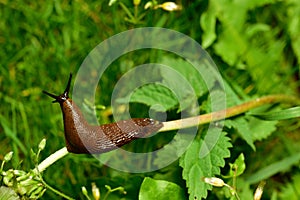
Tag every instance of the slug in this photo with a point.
(83, 138)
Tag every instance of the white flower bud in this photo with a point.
(214, 181)
(170, 6)
(259, 190)
(95, 191)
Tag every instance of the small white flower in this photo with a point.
(214, 181)
(169, 6)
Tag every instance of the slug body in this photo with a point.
(83, 138)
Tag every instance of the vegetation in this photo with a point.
(254, 43)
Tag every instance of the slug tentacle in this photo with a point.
(64, 96)
(81, 137)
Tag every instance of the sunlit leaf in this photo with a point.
(196, 168)
(160, 190)
(8, 194)
(238, 167)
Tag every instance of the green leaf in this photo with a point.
(244, 190)
(174, 149)
(208, 24)
(273, 169)
(279, 115)
(184, 71)
(195, 167)
(153, 94)
(242, 126)
(293, 24)
(238, 167)
(8, 194)
(249, 128)
(159, 189)
(232, 16)
(290, 191)
(249, 50)
(181, 85)
(12, 134)
(261, 129)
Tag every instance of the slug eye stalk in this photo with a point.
(64, 96)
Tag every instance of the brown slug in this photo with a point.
(83, 138)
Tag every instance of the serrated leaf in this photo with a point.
(184, 71)
(153, 94)
(261, 129)
(251, 129)
(195, 168)
(175, 148)
(160, 190)
(242, 126)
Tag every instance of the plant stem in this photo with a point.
(193, 121)
(56, 191)
(51, 159)
(226, 113)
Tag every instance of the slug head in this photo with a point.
(64, 96)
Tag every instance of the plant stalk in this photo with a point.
(227, 113)
(193, 121)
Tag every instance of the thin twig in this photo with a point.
(226, 113)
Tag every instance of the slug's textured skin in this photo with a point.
(83, 138)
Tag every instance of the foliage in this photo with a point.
(159, 189)
(255, 45)
(195, 168)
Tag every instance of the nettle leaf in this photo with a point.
(187, 72)
(175, 148)
(153, 94)
(261, 129)
(252, 129)
(180, 86)
(196, 167)
(160, 189)
(242, 127)
(248, 127)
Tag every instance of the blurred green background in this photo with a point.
(255, 44)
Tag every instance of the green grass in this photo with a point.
(256, 48)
